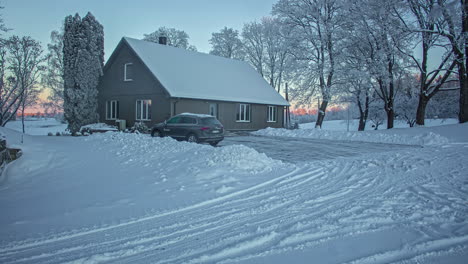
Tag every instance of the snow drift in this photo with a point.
(428, 138)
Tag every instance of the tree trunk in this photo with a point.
(321, 114)
(362, 124)
(363, 119)
(390, 118)
(22, 119)
(462, 71)
(366, 111)
(463, 114)
(421, 112)
(363, 114)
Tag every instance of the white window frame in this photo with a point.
(125, 72)
(112, 115)
(272, 114)
(144, 110)
(243, 118)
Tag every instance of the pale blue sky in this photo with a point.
(133, 18)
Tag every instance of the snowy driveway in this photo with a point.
(295, 150)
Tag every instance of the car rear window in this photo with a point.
(210, 121)
(188, 120)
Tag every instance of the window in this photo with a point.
(174, 120)
(128, 72)
(272, 113)
(209, 121)
(112, 110)
(143, 110)
(243, 114)
(188, 120)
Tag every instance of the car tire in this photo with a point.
(156, 133)
(192, 138)
(214, 144)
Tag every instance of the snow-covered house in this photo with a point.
(150, 82)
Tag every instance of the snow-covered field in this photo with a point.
(38, 126)
(130, 198)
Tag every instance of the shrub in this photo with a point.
(140, 128)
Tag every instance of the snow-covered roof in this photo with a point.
(189, 74)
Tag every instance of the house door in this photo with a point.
(214, 110)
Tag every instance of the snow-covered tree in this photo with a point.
(419, 19)
(176, 38)
(380, 38)
(10, 91)
(267, 49)
(444, 104)
(359, 90)
(83, 59)
(377, 113)
(317, 26)
(226, 43)
(454, 27)
(53, 76)
(278, 60)
(254, 45)
(406, 100)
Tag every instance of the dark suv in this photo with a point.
(191, 127)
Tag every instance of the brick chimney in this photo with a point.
(163, 40)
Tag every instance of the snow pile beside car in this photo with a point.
(168, 151)
(428, 138)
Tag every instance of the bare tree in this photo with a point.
(25, 64)
(10, 93)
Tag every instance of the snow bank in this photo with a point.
(427, 138)
(99, 126)
(168, 150)
(240, 157)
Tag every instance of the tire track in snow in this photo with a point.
(324, 201)
(19, 247)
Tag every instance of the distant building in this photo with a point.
(149, 82)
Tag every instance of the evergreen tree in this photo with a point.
(83, 60)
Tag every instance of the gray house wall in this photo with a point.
(227, 112)
(143, 86)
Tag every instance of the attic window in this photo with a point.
(128, 72)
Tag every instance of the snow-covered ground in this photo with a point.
(38, 126)
(130, 198)
(342, 125)
(435, 133)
